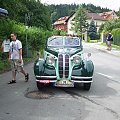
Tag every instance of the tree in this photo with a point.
(40, 16)
(58, 11)
(39, 13)
(54, 17)
(79, 22)
(112, 24)
(96, 9)
(118, 13)
(68, 9)
(92, 30)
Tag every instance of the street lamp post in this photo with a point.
(26, 41)
(27, 18)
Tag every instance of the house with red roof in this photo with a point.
(65, 23)
(109, 15)
(90, 16)
(61, 23)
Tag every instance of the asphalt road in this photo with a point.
(102, 102)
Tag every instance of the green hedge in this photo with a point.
(36, 36)
(116, 36)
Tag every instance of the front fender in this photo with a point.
(85, 69)
(42, 69)
(39, 66)
(88, 68)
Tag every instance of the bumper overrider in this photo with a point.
(63, 82)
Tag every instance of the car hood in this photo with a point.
(69, 51)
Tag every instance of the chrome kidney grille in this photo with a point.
(63, 62)
(60, 63)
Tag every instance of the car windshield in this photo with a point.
(55, 41)
(72, 41)
(63, 41)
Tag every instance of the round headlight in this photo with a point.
(77, 59)
(50, 60)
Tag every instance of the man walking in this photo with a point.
(15, 57)
(109, 41)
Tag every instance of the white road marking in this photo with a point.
(110, 77)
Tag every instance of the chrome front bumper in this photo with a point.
(53, 79)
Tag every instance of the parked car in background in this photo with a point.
(64, 64)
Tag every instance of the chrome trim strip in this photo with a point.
(64, 65)
(60, 71)
(46, 76)
(67, 65)
(82, 81)
(75, 77)
(51, 81)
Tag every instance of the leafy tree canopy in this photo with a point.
(79, 21)
(92, 30)
(39, 13)
(113, 24)
(66, 10)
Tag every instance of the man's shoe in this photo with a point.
(12, 82)
(26, 77)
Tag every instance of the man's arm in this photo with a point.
(20, 51)
(20, 55)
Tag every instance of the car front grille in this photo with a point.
(60, 63)
(63, 62)
(66, 66)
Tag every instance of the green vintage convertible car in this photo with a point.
(64, 64)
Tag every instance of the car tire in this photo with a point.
(39, 85)
(87, 86)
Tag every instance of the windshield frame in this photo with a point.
(63, 38)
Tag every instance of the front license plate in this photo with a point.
(64, 83)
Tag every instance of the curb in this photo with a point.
(112, 52)
(109, 52)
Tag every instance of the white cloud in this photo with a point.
(111, 4)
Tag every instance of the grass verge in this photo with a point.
(113, 46)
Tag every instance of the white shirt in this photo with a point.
(6, 45)
(15, 46)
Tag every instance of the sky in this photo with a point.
(111, 4)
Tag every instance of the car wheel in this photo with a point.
(87, 86)
(39, 85)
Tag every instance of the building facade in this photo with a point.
(65, 23)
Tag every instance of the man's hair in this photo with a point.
(14, 33)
